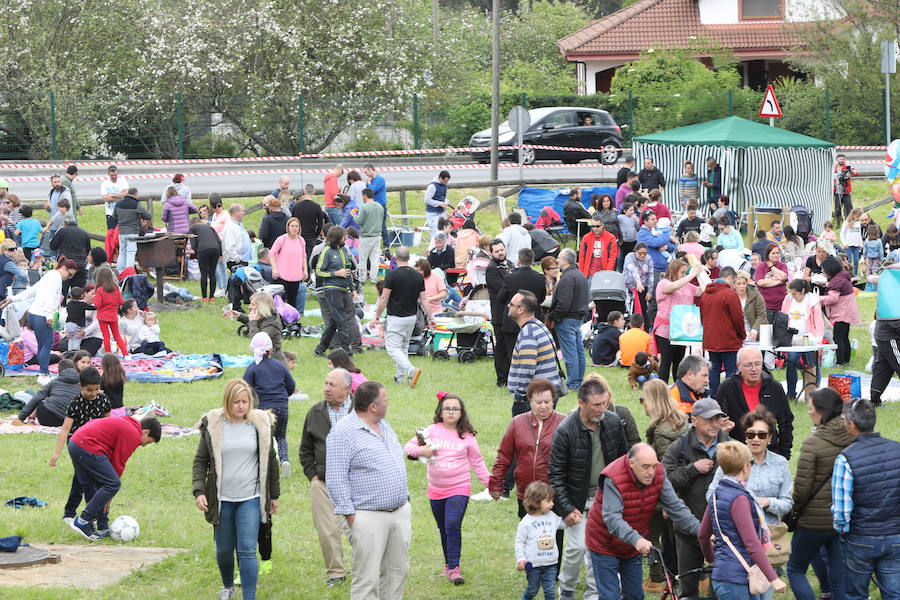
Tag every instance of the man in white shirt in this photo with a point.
(233, 238)
(515, 237)
(112, 189)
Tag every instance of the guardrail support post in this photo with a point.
(52, 126)
(180, 128)
(300, 144)
(415, 124)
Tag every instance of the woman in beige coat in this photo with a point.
(235, 481)
(752, 302)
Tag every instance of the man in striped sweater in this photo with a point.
(534, 354)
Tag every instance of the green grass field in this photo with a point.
(156, 486)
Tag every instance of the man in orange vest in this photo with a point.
(630, 488)
(693, 377)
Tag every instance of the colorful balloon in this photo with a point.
(892, 161)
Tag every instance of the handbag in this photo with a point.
(756, 580)
(685, 324)
(791, 519)
(780, 551)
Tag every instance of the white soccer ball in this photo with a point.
(124, 529)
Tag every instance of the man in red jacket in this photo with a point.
(630, 488)
(598, 249)
(723, 326)
(99, 451)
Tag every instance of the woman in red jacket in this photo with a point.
(723, 327)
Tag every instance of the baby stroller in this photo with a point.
(463, 211)
(420, 344)
(608, 293)
(466, 335)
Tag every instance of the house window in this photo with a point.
(761, 9)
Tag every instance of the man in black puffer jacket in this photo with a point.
(584, 443)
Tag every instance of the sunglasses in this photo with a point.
(752, 435)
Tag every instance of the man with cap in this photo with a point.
(112, 189)
(622, 173)
(650, 177)
(690, 464)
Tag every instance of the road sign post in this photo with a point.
(519, 120)
(770, 107)
(888, 67)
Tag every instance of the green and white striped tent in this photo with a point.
(762, 166)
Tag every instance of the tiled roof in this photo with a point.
(673, 24)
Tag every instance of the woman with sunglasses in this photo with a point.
(450, 448)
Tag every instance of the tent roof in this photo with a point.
(733, 131)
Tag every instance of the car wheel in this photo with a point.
(527, 156)
(610, 153)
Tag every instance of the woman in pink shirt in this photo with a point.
(692, 245)
(288, 257)
(451, 452)
(435, 288)
(674, 288)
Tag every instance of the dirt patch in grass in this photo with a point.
(86, 566)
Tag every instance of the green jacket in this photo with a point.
(68, 184)
(207, 470)
(662, 435)
(815, 464)
(369, 218)
(312, 444)
(331, 261)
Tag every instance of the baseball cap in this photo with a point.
(37, 253)
(629, 158)
(707, 408)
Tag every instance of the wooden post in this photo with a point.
(403, 205)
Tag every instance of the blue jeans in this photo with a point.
(607, 571)
(385, 235)
(449, 513)
(731, 591)
(97, 478)
(642, 380)
(868, 553)
(238, 530)
(221, 276)
(301, 297)
(853, 255)
(568, 333)
(452, 300)
(127, 250)
(541, 577)
(334, 213)
(790, 368)
(43, 333)
(718, 360)
(804, 546)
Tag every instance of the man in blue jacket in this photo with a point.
(377, 184)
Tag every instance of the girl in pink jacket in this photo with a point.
(804, 315)
(840, 306)
(451, 451)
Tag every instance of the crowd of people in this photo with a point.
(708, 482)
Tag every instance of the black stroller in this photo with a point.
(608, 293)
(420, 344)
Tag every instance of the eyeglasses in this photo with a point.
(451, 409)
(596, 226)
(752, 365)
(752, 435)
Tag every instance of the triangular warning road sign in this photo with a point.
(770, 106)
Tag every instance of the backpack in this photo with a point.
(16, 354)
(804, 220)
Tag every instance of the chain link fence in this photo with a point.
(54, 127)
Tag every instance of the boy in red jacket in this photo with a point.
(723, 326)
(99, 451)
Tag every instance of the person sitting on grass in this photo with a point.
(148, 335)
(605, 346)
(642, 369)
(99, 451)
(634, 340)
(112, 383)
(51, 402)
(90, 404)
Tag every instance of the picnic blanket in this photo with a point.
(6, 426)
(161, 368)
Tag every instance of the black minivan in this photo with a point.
(569, 126)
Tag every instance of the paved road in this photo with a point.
(231, 179)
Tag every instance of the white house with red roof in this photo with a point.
(761, 33)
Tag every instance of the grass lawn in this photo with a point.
(156, 486)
